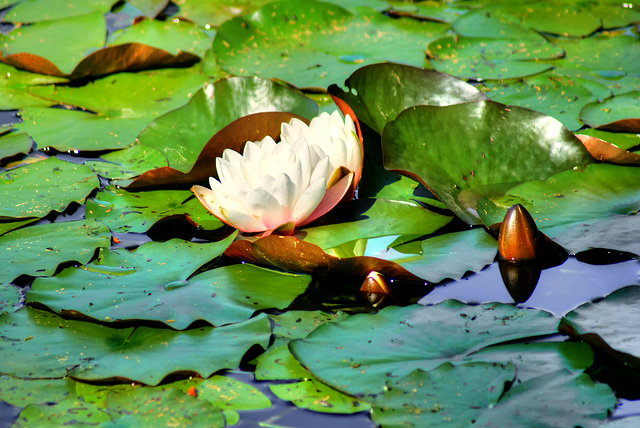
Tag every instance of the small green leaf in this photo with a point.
(14, 143)
(314, 395)
(614, 109)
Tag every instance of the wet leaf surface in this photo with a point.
(39, 344)
(618, 113)
(38, 250)
(49, 185)
(466, 151)
(364, 351)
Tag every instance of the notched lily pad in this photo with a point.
(620, 113)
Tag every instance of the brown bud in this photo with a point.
(519, 237)
(375, 290)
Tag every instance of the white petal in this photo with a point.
(309, 200)
(263, 205)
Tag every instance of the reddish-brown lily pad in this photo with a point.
(290, 253)
(603, 151)
(253, 127)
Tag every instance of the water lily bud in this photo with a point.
(375, 290)
(519, 237)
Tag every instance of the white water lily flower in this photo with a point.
(329, 135)
(287, 184)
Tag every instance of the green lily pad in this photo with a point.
(378, 93)
(618, 113)
(462, 395)
(465, 151)
(50, 185)
(174, 37)
(314, 44)
(314, 395)
(277, 363)
(482, 58)
(212, 14)
(492, 22)
(6, 226)
(220, 296)
(369, 218)
(127, 163)
(151, 8)
(555, 17)
(38, 344)
(74, 130)
(594, 207)
(204, 115)
(136, 212)
(48, 10)
(445, 256)
(623, 140)
(9, 296)
(147, 94)
(560, 97)
(608, 324)
(448, 395)
(23, 392)
(14, 143)
(444, 12)
(70, 411)
(54, 47)
(128, 285)
(38, 250)
(614, 16)
(15, 85)
(358, 355)
(556, 399)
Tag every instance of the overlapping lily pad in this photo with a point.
(14, 85)
(48, 10)
(594, 207)
(314, 44)
(127, 163)
(618, 113)
(378, 93)
(207, 113)
(38, 250)
(13, 144)
(136, 212)
(211, 14)
(49, 185)
(465, 151)
(362, 352)
(39, 344)
(482, 58)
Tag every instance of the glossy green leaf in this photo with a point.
(15, 85)
(614, 109)
(71, 130)
(172, 36)
(564, 209)
(70, 411)
(314, 395)
(49, 185)
(207, 13)
(445, 256)
(6, 226)
(446, 396)
(38, 250)
(559, 97)
(378, 93)
(494, 23)
(369, 218)
(483, 58)
(136, 212)
(557, 399)
(129, 285)
(205, 115)
(277, 363)
(147, 94)
(555, 17)
(39, 344)
(358, 355)
(609, 324)
(58, 44)
(462, 395)
(47, 10)
(23, 392)
(14, 143)
(314, 44)
(127, 163)
(465, 151)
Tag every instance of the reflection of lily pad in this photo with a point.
(38, 344)
(378, 93)
(49, 185)
(358, 355)
(38, 250)
(314, 44)
(485, 58)
(465, 151)
(595, 207)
